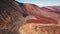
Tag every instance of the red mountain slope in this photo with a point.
(44, 15)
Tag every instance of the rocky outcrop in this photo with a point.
(11, 16)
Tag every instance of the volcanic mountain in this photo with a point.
(46, 15)
(14, 14)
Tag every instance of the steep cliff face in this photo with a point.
(11, 16)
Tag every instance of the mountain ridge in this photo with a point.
(48, 12)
